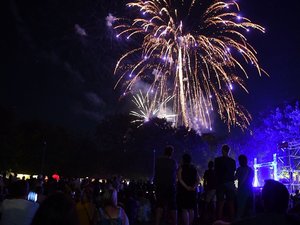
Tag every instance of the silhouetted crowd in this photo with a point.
(75, 201)
(175, 196)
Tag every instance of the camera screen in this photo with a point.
(32, 196)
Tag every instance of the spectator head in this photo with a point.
(243, 160)
(225, 150)
(186, 158)
(275, 197)
(210, 164)
(110, 197)
(169, 151)
(19, 189)
(58, 209)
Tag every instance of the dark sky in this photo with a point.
(49, 72)
(278, 51)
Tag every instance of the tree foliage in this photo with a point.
(117, 146)
(274, 127)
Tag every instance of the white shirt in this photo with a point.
(17, 212)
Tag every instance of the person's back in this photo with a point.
(57, 209)
(165, 172)
(187, 195)
(18, 210)
(110, 216)
(165, 184)
(209, 177)
(225, 168)
(86, 209)
(209, 184)
(111, 213)
(244, 175)
(189, 174)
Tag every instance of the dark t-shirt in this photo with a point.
(189, 174)
(225, 168)
(210, 180)
(165, 173)
(187, 199)
(245, 178)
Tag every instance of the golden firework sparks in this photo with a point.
(198, 58)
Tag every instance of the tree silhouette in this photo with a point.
(274, 127)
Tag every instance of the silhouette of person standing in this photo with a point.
(188, 180)
(165, 182)
(225, 168)
(209, 184)
(244, 174)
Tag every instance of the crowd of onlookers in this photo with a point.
(175, 196)
(75, 201)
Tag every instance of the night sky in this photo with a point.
(50, 72)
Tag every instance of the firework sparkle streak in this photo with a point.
(147, 109)
(199, 63)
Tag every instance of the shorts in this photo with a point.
(210, 196)
(226, 191)
(166, 198)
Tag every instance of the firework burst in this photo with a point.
(147, 109)
(198, 52)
